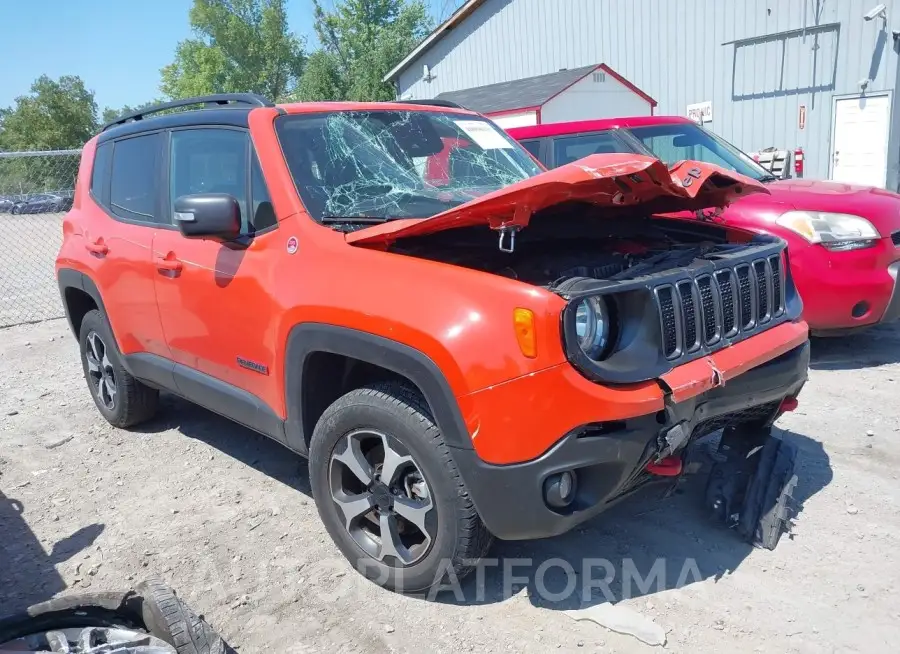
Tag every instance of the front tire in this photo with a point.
(389, 492)
(121, 399)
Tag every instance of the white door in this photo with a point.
(860, 143)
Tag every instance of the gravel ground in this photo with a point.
(225, 516)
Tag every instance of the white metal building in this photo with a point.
(815, 74)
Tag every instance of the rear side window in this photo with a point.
(572, 148)
(133, 184)
(100, 171)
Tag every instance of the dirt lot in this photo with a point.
(226, 517)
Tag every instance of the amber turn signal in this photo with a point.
(523, 321)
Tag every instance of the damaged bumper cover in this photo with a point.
(609, 457)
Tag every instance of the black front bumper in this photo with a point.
(610, 458)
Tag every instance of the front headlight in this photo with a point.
(592, 326)
(836, 231)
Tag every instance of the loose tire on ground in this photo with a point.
(70, 611)
(769, 501)
(751, 488)
(168, 618)
(401, 412)
(150, 607)
(135, 402)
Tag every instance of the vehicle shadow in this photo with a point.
(877, 346)
(27, 572)
(645, 545)
(642, 546)
(240, 443)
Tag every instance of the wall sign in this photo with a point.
(700, 112)
(801, 118)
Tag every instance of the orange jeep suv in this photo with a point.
(463, 344)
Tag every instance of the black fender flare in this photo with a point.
(307, 338)
(68, 278)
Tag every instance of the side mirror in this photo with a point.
(208, 215)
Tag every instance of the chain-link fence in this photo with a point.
(36, 189)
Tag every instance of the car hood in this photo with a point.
(627, 183)
(880, 207)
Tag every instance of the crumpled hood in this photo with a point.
(878, 206)
(623, 182)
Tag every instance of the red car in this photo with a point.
(843, 240)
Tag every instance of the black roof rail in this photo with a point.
(434, 103)
(208, 102)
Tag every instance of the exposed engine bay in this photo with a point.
(553, 249)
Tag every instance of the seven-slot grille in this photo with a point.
(895, 237)
(713, 308)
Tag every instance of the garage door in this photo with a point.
(859, 151)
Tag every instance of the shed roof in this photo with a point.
(529, 92)
(516, 94)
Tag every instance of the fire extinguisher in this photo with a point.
(798, 162)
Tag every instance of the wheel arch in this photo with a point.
(323, 361)
(79, 295)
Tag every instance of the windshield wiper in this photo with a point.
(768, 178)
(331, 220)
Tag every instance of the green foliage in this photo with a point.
(361, 40)
(110, 114)
(322, 79)
(55, 115)
(238, 46)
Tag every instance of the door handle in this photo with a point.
(168, 263)
(97, 247)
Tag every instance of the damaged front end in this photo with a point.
(656, 290)
(647, 288)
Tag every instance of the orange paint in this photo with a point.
(496, 340)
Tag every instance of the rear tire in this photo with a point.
(374, 428)
(121, 399)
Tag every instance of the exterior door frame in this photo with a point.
(850, 96)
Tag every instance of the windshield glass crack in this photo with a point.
(362, 166)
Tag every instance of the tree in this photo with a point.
(56, 115)
(322, 79)
(110, 114)
(238, 46)
(361, 41)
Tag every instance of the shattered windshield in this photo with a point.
(679, 141)
(371, 166)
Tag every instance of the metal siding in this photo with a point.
(673, 51)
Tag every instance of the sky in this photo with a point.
(116, 46)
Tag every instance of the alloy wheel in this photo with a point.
(382, 497)
(101, 375)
